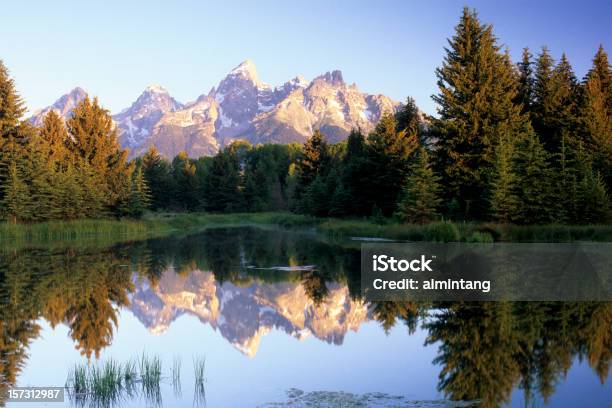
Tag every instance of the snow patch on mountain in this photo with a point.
(240, 107)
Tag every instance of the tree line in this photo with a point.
(524, 143)
(64, 169)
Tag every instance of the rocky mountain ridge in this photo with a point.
(240, 107)
(244, 314)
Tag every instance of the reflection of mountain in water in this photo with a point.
(485, 349)
(244, 314)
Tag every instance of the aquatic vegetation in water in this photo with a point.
(150, 376)
(107, 383)
(199, 393)
(176, 375)
(101, 385)
(331, 399)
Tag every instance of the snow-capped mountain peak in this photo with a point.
(155, 88)
(63, 106)
(241, 107)
(246, 70)
(136, 123)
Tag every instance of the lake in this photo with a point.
(276, 318)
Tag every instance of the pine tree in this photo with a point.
(185, 186)
(594, 203)
(526, 80)
(93, 199)
(554, 107)
(93, 142)
(54, 136)
(68, 194)
(38, 175)
(504, 203)
(477, 103)
(407, 117)
(156, 170)
(533, 185)
(11, 108)
(542, 106)
(565, 95)
(222, 191)
(420, 198)
(340, 203)
(355, 171)
(389, 153)
(316, 199)
(12, 138)
(16, 203)
(140, 195)
(596, 115)
(314, 162)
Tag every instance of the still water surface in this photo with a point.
(279, 319)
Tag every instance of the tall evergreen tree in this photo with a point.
(596, 115)
(389, 154)
(222, 191)
(554, 106)
(504, 203)
(54, 135)
(355, 170)
(38, 171)
(477, 103)
(16, 201)
(526, 80)
(420, 198)
(313, 163)
(407, 117)
(594, 202)
(564, 119)
(533, 188)
(12, 138)
(542, 104)
(185, 186)
(93, 142)
(156, 171)
(140, 195)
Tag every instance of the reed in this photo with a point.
(150, 372)
(199, 368)
(176, 375)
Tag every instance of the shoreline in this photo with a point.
(156, 225)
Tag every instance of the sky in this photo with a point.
(114, 49)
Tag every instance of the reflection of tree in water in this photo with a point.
(80, 289)
(314, 285)
(17, 318)
(388, 313)
(485, 349)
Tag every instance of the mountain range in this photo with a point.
(244, 314)
(240, 107)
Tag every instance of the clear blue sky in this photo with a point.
(114, 49)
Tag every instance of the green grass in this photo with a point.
(81, 233)
(108, 232)
(443, 231)
(150, 372)
(78, 379)
(106, 383)
(102, 384)
(105, 380)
